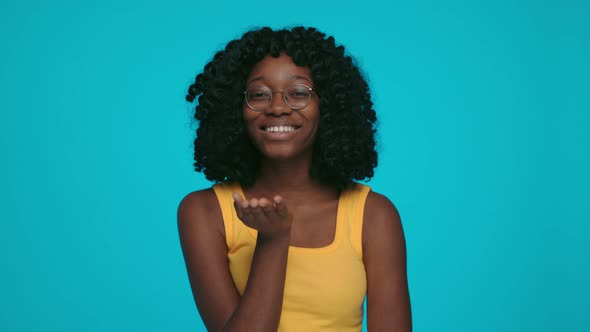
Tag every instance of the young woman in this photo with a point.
(286, 240)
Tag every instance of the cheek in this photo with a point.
(249, 120)
(314, 127)
(314, 118)
(248, 116)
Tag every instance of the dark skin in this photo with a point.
(286, 207)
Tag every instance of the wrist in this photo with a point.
(277, 238)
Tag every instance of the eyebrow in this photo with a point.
(260, 78)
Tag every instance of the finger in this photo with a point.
(254, 203)
(238, 204)
(237, 197)
(266, 205)
(244, 204)
(238, 209)
(281, 208)
(248, 210)
(257, 216)
(277, 199)
(254, 212)
(239, 200)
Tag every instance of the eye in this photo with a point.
(258, 94)
(298, 92)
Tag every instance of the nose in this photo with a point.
(278, 106)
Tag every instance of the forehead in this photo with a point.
(281, 69)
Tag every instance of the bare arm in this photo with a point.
(202, 238)
(384, 256)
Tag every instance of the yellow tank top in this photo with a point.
(324, 287)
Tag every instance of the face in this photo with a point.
(279, 132)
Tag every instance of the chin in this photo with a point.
(279, 154)
(282, 152)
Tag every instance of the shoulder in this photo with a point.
(379, 209)
(197, 202)
(381, 221)
(197, 210)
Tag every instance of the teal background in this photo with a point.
(483, 116)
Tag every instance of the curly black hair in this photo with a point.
(344, 149)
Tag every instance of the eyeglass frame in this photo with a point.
(272, 92)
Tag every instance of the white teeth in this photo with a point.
(279, 129)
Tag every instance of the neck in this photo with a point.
(286, 175)
(290, 179)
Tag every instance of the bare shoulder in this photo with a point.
(199, 201)
(199, 209)
(381, 221)
(380, 211)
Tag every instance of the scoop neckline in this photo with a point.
(327, 248)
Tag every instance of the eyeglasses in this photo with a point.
(296, 96)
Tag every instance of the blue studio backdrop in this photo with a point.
(483, 111)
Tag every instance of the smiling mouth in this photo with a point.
(280, 129)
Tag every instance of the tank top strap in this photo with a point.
(224, 192)
(354, 198)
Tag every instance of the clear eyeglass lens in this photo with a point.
(258, 98)
(295, 96)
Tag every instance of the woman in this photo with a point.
(285, 239)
